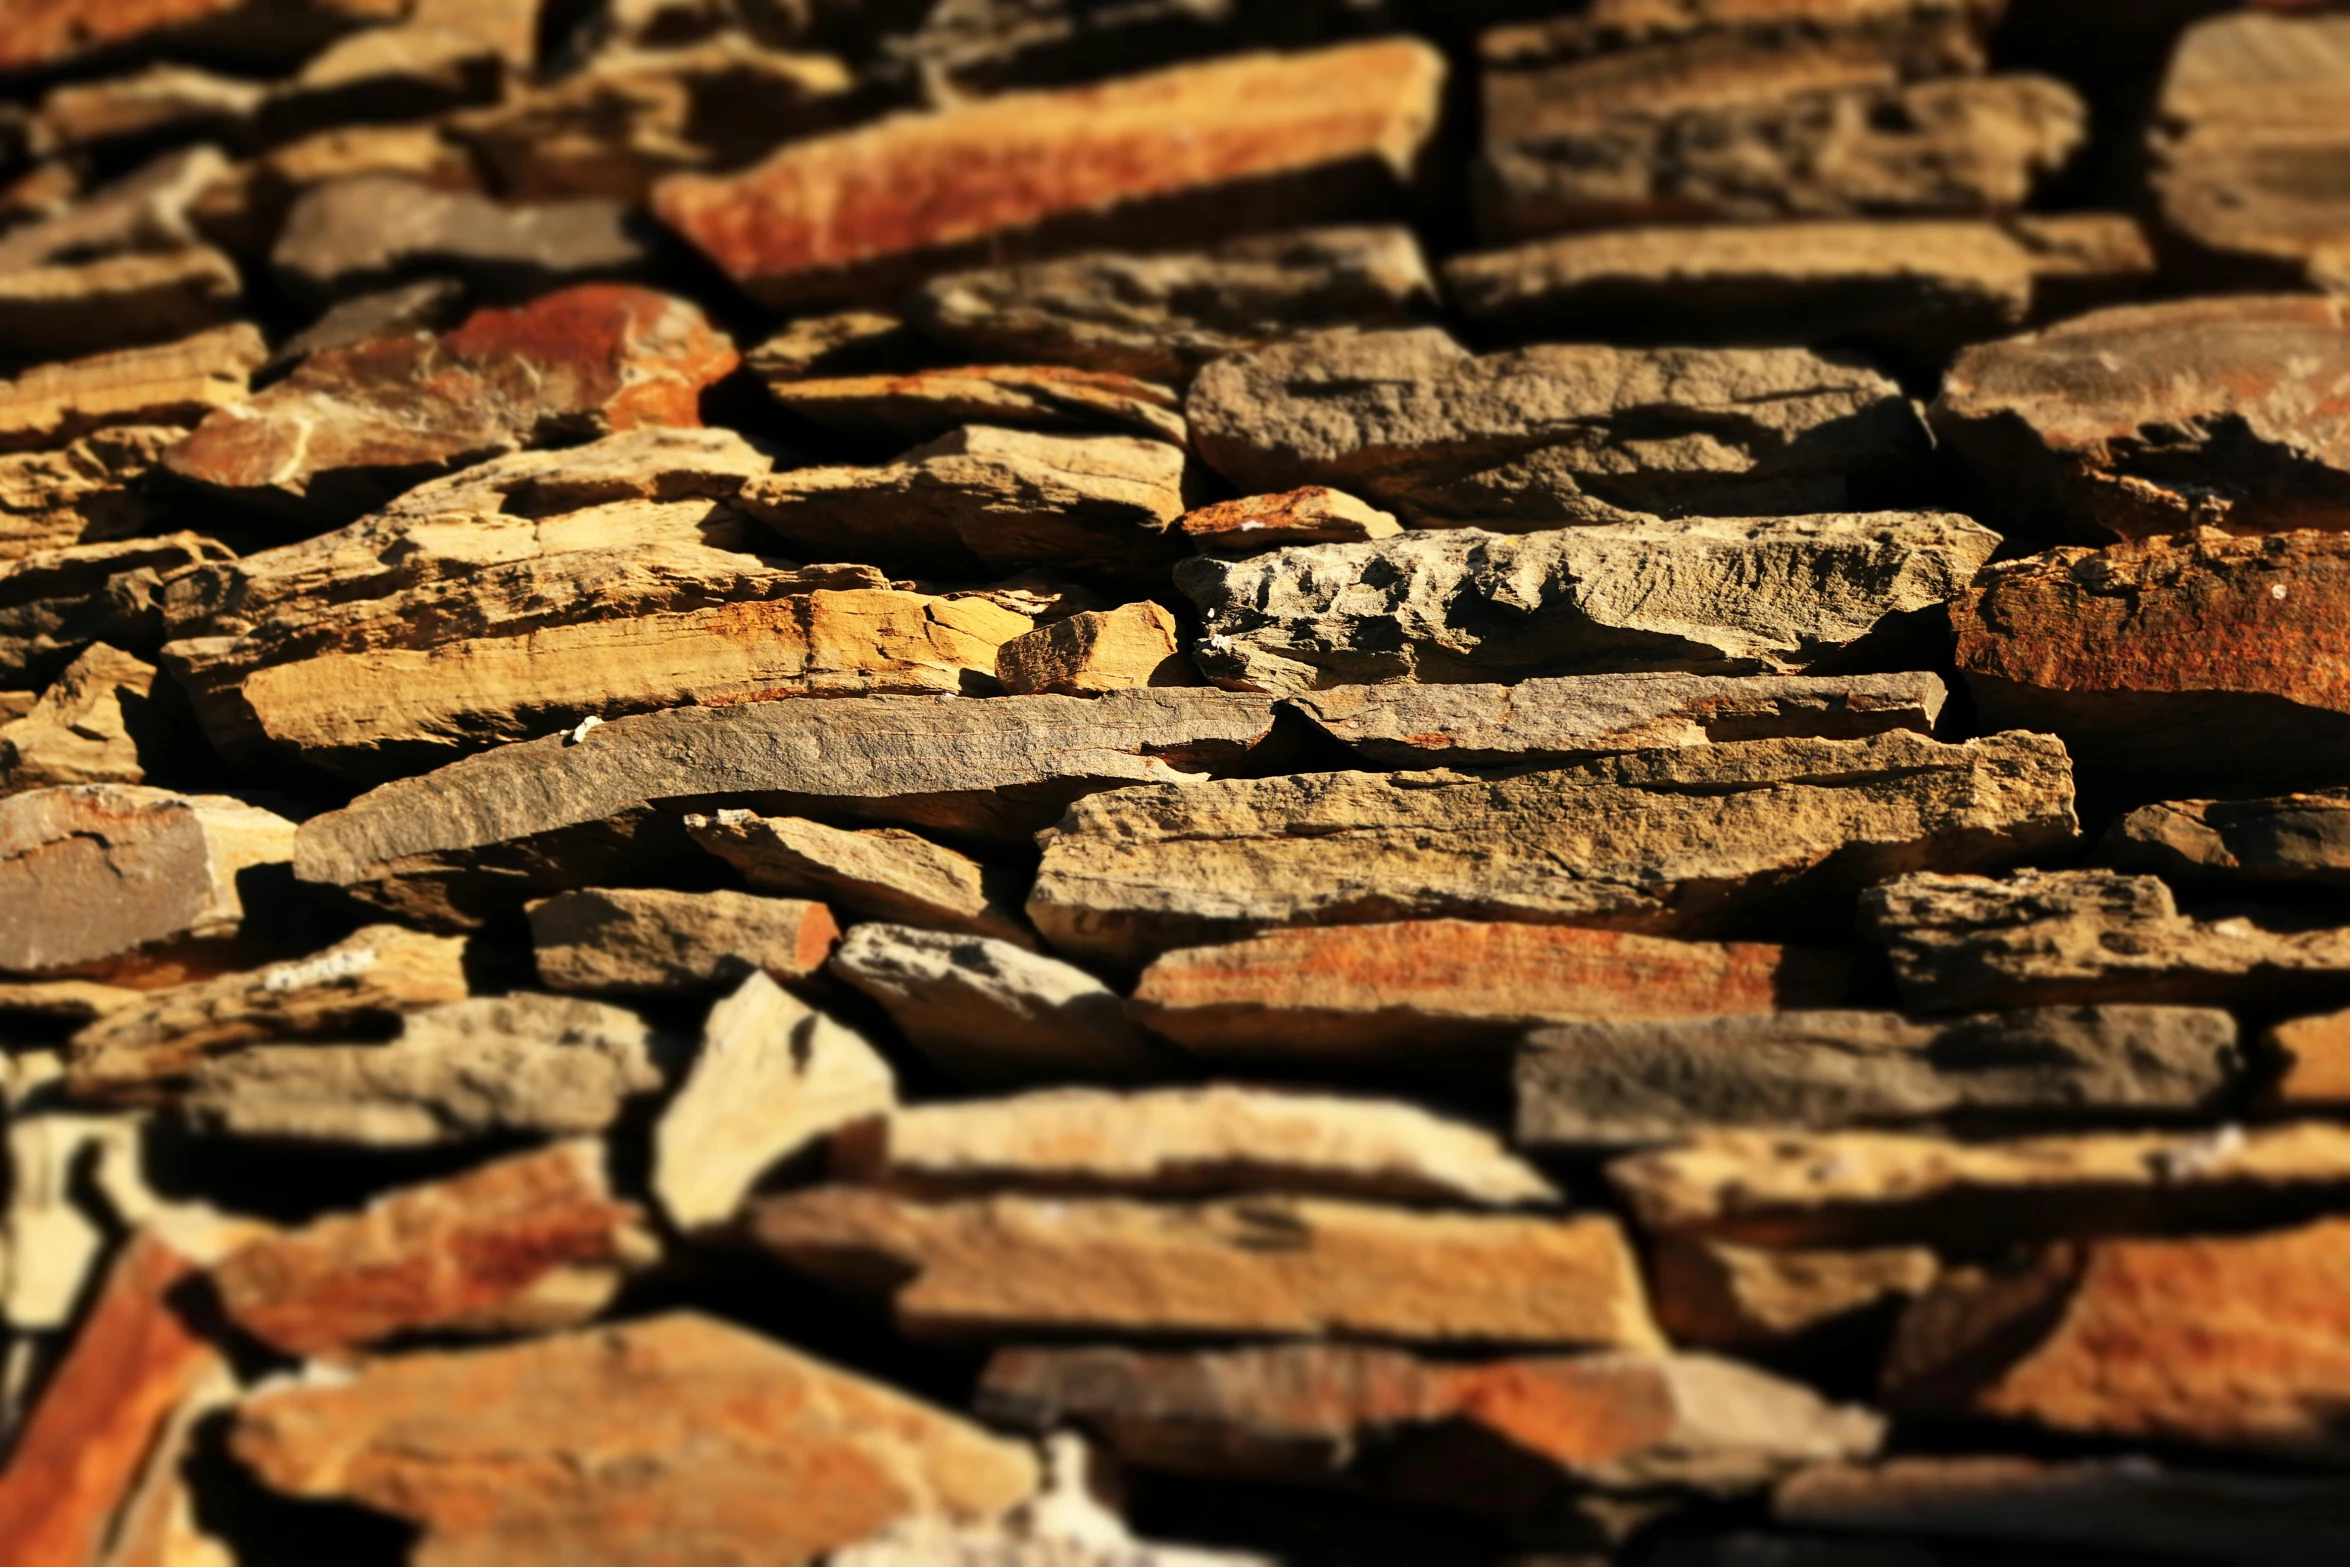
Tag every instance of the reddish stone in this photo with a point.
(353, 426)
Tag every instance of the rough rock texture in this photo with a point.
(353, 426)
(1311, 514)
(2152, 419)
(87, 728)
(2172, 660)
(1188, 1140)
(1726, 1296)
(1264, 1267)
(528, 1243)
(2315, 1055)
(1558, 434)
(1231, 145)
(1428, 988)
(1607, 1081)
(1089, 653)
(1577, 717)
(63, 310)
(673, 1434)
(365, 231)
(56, 602)
(91, 873)
(2300, 841)
(923, 405)
(168, 384)
(1724, 596)
(773, 1076)
(82, 493)
(988, 499)
(987, 1011)
(1681, 842)
(880, 873)
(1391, 1422)
(652, 939)
(546, 815)
(1162, 316)
(1870, 1188)
(2248, 146)
(2049, 937)
(2231, 1342)
(466, 1070)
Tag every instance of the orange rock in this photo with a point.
(79, 1457)
(1247, 142)
(51, 32)
(1086, 654)
(1436, 985)
(2316, 1053)
(535, 1240)
(1315, 514)
(676, 1438)
(2232, 1342)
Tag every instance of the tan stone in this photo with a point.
(773, 1076)
(86, 727)
(1865, 1188)
(1249, 142)
(837, 343)
(528, 1243)
(650, 939)
(673, 1434)
(144, 212)
(922, 405)
(243, 209)
(2315, 1052)
(60, 32)
(1668, 842)
(91, 873)
(2237, 1341)
(1264, 1266)
(1119, 649)
(173, 103)
(1313, 514)
(65, 309)
(81, 493)
(1427, 989)
(1187, 1140)
(2297, 841)
(168, 384)
(55, 602)
(880, 873)
(1725, 1296)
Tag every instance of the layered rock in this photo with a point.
(1427, 989)
(1094, 651)
(1261, 1267)
(881, 873)
(1611, 1082)
(170, 384)
(1249, 142)
(2299, 842)
(93, 725)
(546, 815)
(1671, 842)
(1722, 1295)
(366, 231)
(353, 426)
(1558, 434)
(83, 493)
(669, 1433)
(2051, 937)
(1163, 315)
(922, 405)
(652, 939)
(1310, 514)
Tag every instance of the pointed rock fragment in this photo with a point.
(2315, 1053)
(1086, 654)
(1310, 514)
(56, 602)
(1263, 1266)
(881, 873)
(773, 1076)
(652, 940)
(83, 493)
(611, 1445)
(87, 728)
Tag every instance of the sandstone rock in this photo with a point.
(85, 729)
(1609, 1082)
(84, 493)
(388, 73)
(1188, 1140)
(923, 405)
(1394, 1424)
(243, 210)
(1262, 1266)
(1875, 1188)
(1120, 649)
(1161, 316)
(988, 500)
(628, 116)
(2300, 841)
(66, 32)
(2245, 135)
(1557, 434)
(2117, 1507)
(1726, 1296)
(665, 1435)
(368, 230)
(1672, 842)
(881, 873)
(527, 1243)
(2168, 663)
(1577, 717)
(1922, 287)
(432, 304)
(990, 1012)
(2238, 1341)
(492, 1066)
(1709, 595)
(169, 384)
(352, 426)
(2315, 1053)
(147, 211)
(51, 1240)
(161, 103)
(2051, 937)
(651, 939)
(54, 603)
(1427, 989)
(530, 819)
(66, 309)
(136, 1054)
(1228, 146)
(1314, 514)
(92, 873)
(774, 1075)
(840, 343)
